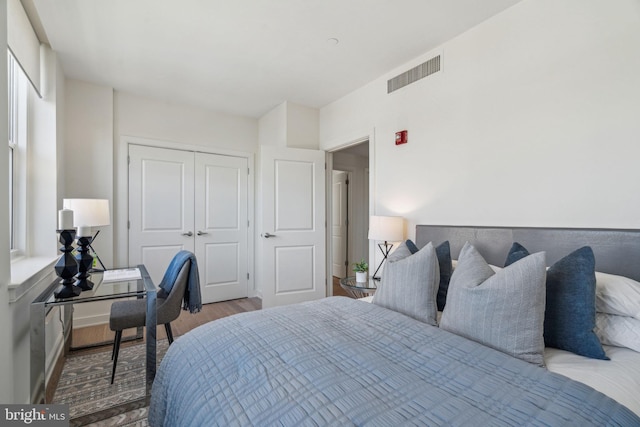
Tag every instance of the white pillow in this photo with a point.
(620, 331)
(617, 295)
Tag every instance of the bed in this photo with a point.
(339, 361)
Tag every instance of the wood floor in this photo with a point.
(337, 289)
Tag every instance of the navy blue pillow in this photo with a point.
(570, 313)
(443, 253)
(516, 253)
(411, 246)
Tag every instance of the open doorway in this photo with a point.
(349, 211)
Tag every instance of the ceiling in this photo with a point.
(247, 56)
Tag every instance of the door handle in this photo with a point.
(201, 233)
(267, 235)
(188, 234)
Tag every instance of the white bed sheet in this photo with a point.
(618, 378)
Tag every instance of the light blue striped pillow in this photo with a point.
(503, 310)
(409, 283)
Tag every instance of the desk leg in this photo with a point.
(151, 340)
(38, 359)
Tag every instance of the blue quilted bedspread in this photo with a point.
(342, 362)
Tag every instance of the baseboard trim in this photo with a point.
(81, 322)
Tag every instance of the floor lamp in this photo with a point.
(89, 213)
(387, 229)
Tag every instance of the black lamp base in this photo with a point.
(385, 249)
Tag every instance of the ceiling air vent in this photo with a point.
(416, 73)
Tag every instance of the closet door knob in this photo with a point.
(188, 234)
(202, 233)
(267, 235)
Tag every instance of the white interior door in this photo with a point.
(292, 241)
(160, 206)
(339, 223)
(221, 218)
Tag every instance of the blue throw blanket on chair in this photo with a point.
(192, 298)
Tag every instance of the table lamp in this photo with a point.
(387, 229)
(89, 213)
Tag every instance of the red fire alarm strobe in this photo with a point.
(401, 137)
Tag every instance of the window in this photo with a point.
(18, 94)
(12, 139)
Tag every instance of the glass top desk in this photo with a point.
(46, 301)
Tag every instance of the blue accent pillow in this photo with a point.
(570, 313)
(443, 252)
(516, 253)
(412, 246)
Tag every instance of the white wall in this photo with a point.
(272, 127)
(302, 126)
(6, 334)
(532, 121)
(290, 125)
(88, 151)
(147, 118)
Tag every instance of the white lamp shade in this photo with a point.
(387, 228)
(88, 212)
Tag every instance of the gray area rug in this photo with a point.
(85, 385)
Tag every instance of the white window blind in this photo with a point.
(23, 42)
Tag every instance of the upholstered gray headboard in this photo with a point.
(616, 251)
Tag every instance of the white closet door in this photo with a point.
(161, 209)
(221, 218)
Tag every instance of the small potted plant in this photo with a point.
(361, 269)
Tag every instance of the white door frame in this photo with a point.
(121, 195)
(329, 203)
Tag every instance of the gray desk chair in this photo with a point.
(132, 313)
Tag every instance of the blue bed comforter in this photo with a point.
(342, 362)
